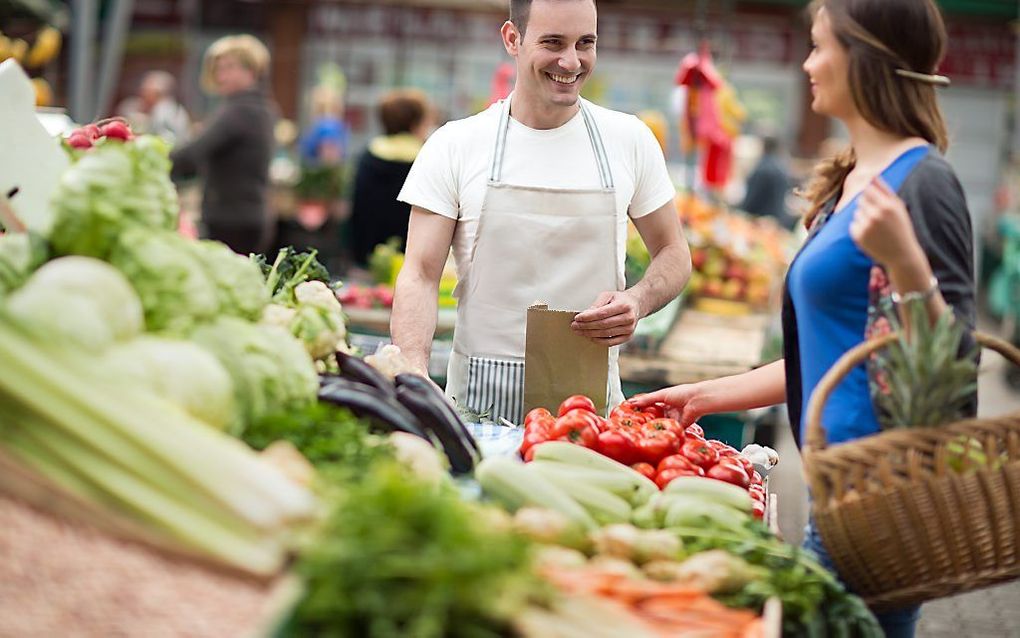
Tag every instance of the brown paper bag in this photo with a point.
(559, 363)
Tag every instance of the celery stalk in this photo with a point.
(58, 390)
(260, 556)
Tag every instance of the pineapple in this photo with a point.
(922, 382)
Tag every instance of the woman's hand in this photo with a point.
(882, 228)
(683, 402)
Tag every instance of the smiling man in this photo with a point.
(534, 195)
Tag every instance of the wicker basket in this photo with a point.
(905, 515)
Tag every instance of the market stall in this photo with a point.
(191, 447)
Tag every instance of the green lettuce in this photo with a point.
(176, 291)
(111, 187)
(81, 301)
(180, 371)
(240, 287)
(270, 369)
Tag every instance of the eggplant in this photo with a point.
(369, 403)
(433, 420)
(355, 368)
(423, 386)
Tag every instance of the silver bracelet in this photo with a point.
(916, 295)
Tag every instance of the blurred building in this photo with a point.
(450, 49)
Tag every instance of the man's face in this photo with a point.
(556, 54)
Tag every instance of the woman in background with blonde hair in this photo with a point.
(233, 150)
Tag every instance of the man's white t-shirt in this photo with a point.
(450, 174)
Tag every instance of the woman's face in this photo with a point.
(827, 67)
(231, 76)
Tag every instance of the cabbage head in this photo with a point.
(175, 290)
(20, 255)
(271, 370)
(79, 300)
(115, 185)
(181, 372)
(240, 287)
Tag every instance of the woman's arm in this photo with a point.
(883, 229)
(758, 388)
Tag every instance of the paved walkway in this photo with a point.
(988, 613)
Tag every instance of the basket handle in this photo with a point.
(857, 355)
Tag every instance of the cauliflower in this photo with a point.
(313, 315)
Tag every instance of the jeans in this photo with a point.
(900, 623)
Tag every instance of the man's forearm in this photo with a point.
(413, 321)
(666, 276)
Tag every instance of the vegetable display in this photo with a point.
(659, 448)
(407, 403)
(698, 535)
(119, 446)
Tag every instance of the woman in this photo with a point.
(234, 149)
(376, 215)
(886, 216)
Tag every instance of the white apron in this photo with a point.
(552, 245)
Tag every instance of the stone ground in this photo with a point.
(988, 613)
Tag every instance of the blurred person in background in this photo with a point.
(768, 185)
(233, 150)
(376, 215)
(887, 216)
(325, 143)
(155, 109)
(534, 195)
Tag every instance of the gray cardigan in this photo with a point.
(232, 153)
(938, 210)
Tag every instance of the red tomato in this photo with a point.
(624, 418)
(645, 469)
(529, 456)
(576, 428)
(533, 438)
(755, 478)
(728, 472)
(757, 492)
(590, 417)
(758, 510)
(541, 425)
(663, 478)
(601, 423)
(680, 462)
(656, 410)
(744, 463)
(671, 425)
(700, 453)
(618, 446)
(536, 414)
(577, 402)
(696, 429)
(724, 449)
(656, 445)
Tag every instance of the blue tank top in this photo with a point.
(828, 284)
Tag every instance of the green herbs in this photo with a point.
(921, 378)
(331, 438)
(289, 269)
(815, 604)
(398, 558)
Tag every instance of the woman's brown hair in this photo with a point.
(881, 36)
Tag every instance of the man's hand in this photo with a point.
(611, 320)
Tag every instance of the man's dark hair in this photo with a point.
(519, 12)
